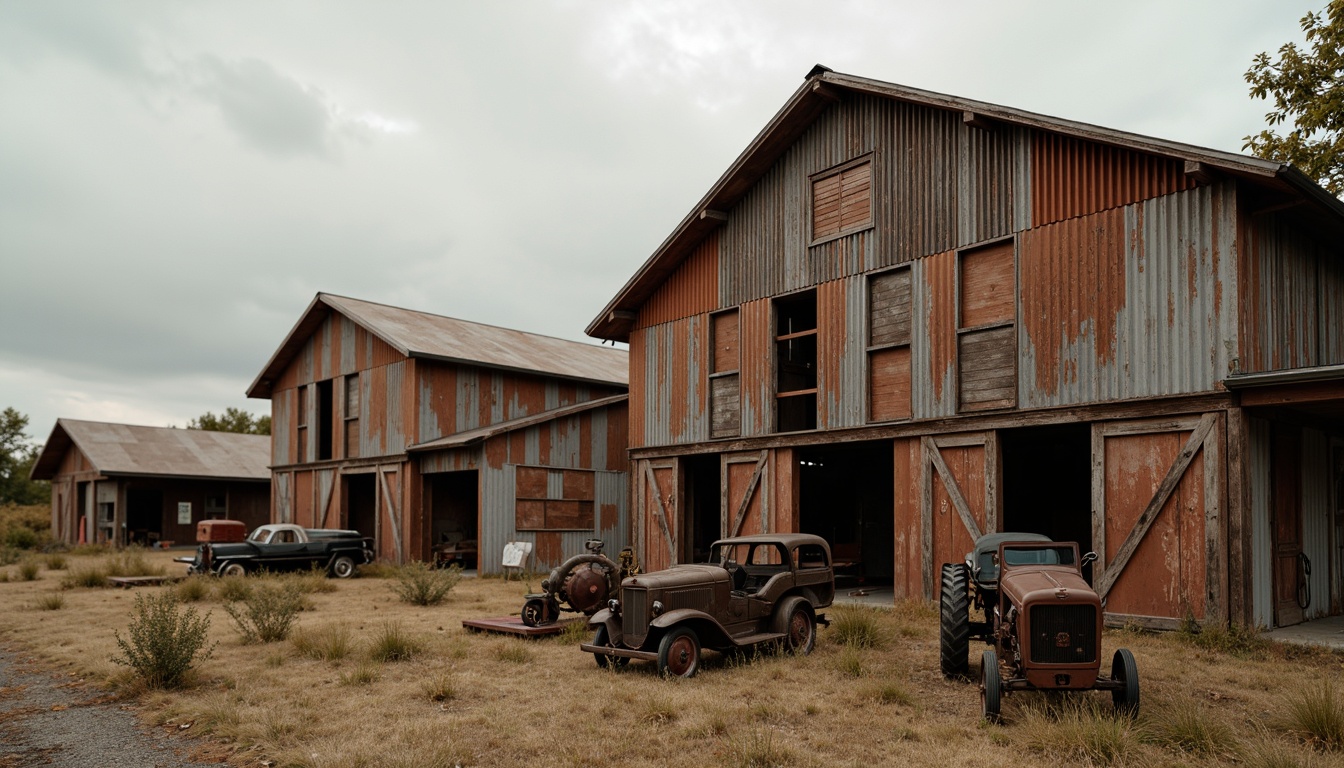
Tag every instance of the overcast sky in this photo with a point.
(179, 179)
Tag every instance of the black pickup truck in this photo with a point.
(285, 547)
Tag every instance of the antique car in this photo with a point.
(756, 590)
(284, 547)
(1042, 620)
(581, 584)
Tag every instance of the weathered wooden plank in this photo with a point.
(954, 492)
(660, 512)
(745, 502)
(1155, 505)
(725, 406)
(988, 286)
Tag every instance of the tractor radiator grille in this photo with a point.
(1063, 634)
(635, 612)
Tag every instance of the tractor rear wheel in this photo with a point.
(954, 625)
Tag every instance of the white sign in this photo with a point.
(514, 553)
(184, 513)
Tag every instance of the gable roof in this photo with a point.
(125, 449)
(823, 87)
(472, 436)
(447, 339)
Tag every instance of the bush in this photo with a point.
(1315, 716)
(330, 643)
(856, 627)
(1242, 642)
(419, 584)
(132, 562)
(192, 589)
(55, 562)
(394, 644)
(91, 576)
(20, 537)
(268, 613)
(28, 570)
(163, 640)
(233, 589)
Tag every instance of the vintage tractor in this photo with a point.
(1042, 620)
(581, 584)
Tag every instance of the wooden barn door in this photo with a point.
(959, 498)
(1156, 503)
(745, 508)
(659, 513)
(1286, 519)
(389, 500)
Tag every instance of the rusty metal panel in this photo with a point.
(1317, 518)
(282, 427)
(1262, 544)
(934, 336)
(1331, 302)
(757, 385)
(675, 382)
(1283, 293)
(988, 169)
(1072, 177)
(496, 517)
(690, 290)
(841, 317)
(1132, 302)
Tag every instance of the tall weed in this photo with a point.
(857, 627)
(418, 583)
(268, 613)
(1315, 716)
(163, 640)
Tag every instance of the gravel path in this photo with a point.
(47, 719)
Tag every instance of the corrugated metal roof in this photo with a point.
(125, 449)
(476, 435)
(435, 337)
(824, 86)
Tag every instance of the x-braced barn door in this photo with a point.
(745, 505)
(959, 498)
(659, 513)
(1156, 500)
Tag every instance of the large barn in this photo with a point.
(901, 319)
(441, 436)
(124, 484)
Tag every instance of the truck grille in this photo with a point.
(635, 612)
(689, 597)
(1063, 634)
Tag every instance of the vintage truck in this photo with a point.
(1042, 620)
(284, 547)
(756, 590)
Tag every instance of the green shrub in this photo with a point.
(268, 613)
(856, 627)
(418, 583)
(1315, 715)
(395, 644)
(22, 537)
(10, 555)
(89, 576)
(28, 569)
(163, 640)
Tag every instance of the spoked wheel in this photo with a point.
(679, 653)
(794, 618)
(1124, 670)
(991, 688)
(603, 639)
(954, 624)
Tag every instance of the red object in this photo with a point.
(220, 531)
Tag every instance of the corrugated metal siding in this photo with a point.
(1282, 291)
(841, 316)
(1331, 302)
(757, 377)
(923, 181)
(990, 190)
(692, 289)
(1262, 546)
(282, 427)
(1317, 519)
(674, 395)
(1129, 302)
(934, 336)
(1071, 177)
(639, 395)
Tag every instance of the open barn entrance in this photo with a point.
(702, 521)
(453, 503)
(845, 496)
(361, 504)
(144, 515)
(1047, 482)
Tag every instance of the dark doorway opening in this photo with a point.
(361, 504)
(144, 515)
(846, 497)
(1047, 482)
(702, 523)
(454, 509)
(324, 420)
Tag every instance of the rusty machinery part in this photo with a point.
(629, 563)
(540, 610)
(587, 589)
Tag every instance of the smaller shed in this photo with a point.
(124, 484)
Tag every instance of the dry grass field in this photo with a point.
(869, 695)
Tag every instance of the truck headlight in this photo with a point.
(657, 607)
(614, 605)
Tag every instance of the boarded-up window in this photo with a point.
(352, 416)
(889, 346)
(548, 499)
(725, 399)
(987, 331)
(842, 200)
(301, 425)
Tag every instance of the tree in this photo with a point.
(17, 454)
(233, 420)
(1307, 87)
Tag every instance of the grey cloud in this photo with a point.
(270, 110)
